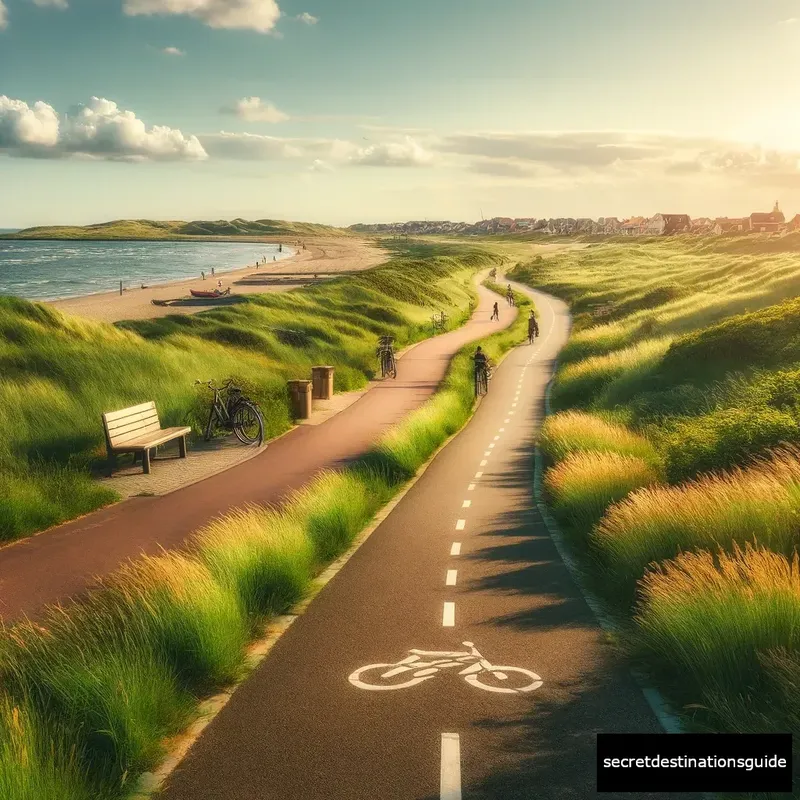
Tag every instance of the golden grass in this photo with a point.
(758, 504)
(584, 484)
(576, 431)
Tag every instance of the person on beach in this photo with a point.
(212, 272)
(204, 275)
(496, 312)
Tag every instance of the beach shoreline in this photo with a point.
(324, 257)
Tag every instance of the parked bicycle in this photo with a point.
(493, 273)
(439, 321)
(386, 357)
(232, 411)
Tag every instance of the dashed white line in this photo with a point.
(506, 420)
(484, 463)
(502, 429)
(478, 474)
(455, 550)
(497, 437)
(513, 405)
(452, 576)
(471, 487)
(466, 504)
(450, 773)
(449, 615)
(461, 524)
(491, 445)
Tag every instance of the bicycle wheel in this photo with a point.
(248, 424)
(392, 366)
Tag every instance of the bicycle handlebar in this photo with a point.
(210, 384)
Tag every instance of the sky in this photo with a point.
(345, 111)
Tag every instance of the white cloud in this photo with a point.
(619, 155)
(60, 4)
(790, 21)
(309, 19)
(254, 147)
(30, 130)
(321, 153)
(99, 129)
(173, 51)
(256, 15)
(253, 109)
(405, 153)
(3, 16)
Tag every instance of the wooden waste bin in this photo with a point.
(300, 392)
(322, 379)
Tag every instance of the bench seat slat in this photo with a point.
(111, 416)
(124, 422)
(136, 433)
(152, 440)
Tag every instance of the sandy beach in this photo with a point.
(324, 257)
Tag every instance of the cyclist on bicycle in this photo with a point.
(480, 359)
(533, 327)
(496, 312)
(510, 295)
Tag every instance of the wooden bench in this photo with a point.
(138, 430)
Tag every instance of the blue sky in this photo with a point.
(350, 111)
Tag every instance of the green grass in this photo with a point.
(156, 229)
(572, 432)
(694, 368)
(61, 373)
(101, 684)
(585, 484)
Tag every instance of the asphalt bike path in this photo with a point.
(464, 569)
(64, 561)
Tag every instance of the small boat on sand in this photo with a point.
(211, 294)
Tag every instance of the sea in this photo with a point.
(51, 270)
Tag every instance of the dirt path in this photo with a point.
(323, 256)
(63, 562)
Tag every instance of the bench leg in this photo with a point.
(112, 463)
(146, 461)
(182, 446)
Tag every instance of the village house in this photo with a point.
(768, 223)
(668, 224)
(794, 225)
(724, 225)
(635, 226)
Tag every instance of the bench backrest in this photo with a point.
(130, 423)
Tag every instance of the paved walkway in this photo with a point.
(463, 561)
(204, 459)
(64, 561)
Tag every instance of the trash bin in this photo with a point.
(322, 378)
(301, 399)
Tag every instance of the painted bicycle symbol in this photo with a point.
(422, 665)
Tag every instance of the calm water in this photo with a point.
(50, 270)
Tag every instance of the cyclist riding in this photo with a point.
(533, 328)
(510, 295)
(481, 368)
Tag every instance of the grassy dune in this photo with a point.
(89, 694)
(673, 461)
(60, 373)
(155, 229)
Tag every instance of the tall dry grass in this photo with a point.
(759, 504)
